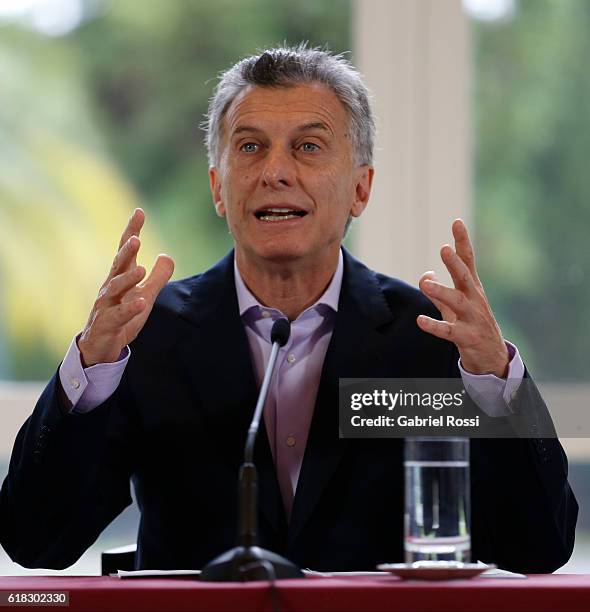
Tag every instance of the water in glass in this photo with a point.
(437, 500)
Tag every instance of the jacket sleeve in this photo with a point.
(524, 511)
(68, 479)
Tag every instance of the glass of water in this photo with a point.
(437, 500)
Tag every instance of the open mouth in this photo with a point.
(279, 214)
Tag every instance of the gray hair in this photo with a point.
(288, 67)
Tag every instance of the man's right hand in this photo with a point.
(124, 301)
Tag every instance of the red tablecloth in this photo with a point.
(552, 592)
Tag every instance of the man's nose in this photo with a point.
(279, 168)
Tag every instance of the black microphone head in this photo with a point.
(281, 330)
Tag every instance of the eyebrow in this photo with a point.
(315, 125)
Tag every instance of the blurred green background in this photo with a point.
(532, 180)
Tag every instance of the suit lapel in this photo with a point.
(356, 349)
(219, 358)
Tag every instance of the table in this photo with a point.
(550, 592)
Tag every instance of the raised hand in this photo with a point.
(468, 320)
(125, 299)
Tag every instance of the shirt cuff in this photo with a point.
(492, 394)
(87, 388)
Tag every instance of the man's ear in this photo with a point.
(362, 189)
(215, 185)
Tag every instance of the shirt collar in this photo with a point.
(330, 297)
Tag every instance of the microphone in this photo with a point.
(280, 332)
(247, 561)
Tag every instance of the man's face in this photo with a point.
(286, 180)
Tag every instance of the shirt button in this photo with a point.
(291, 358)
(291, 441)
(265, 314)
(75, 383)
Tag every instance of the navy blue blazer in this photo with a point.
(176, 427)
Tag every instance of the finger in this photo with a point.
(446, 313)
(118, 316)
(452, 298)
(159, 276)
(121, 284)
(461, 334)
(463, 246)
(133, 229)
(134, 226)
(440, 329)
(460, 273)
(125, 257)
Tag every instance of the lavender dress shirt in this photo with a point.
(292, 394)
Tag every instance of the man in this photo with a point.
(290, 138)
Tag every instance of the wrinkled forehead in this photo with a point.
(283, 108)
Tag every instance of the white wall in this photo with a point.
(414, 56)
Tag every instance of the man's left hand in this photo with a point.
(468, 320)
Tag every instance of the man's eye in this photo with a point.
(309, 147)
(249, 147)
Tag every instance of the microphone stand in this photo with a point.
(247, 561)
